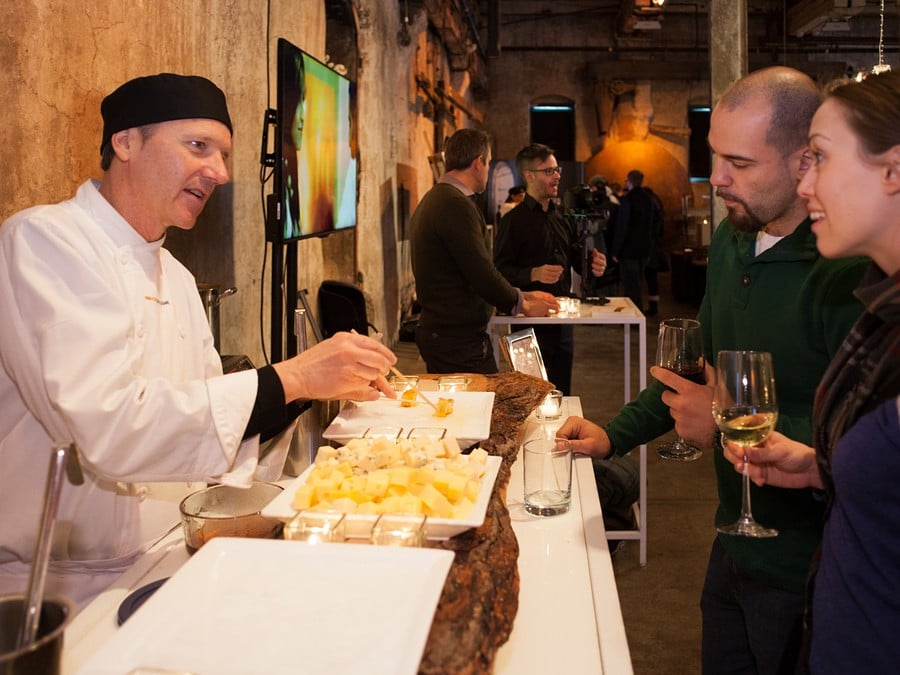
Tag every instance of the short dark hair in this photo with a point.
(525, 159)
(464, 147)
(636, 178)
(107, 154)
(793, 98)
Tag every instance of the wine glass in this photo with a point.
(680, 349)
(745, 411)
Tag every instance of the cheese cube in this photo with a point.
(303, 497)
(435, 503)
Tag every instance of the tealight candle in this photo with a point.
(550, 407)
(316, 527)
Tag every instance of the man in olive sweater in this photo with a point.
(767, 289)
(457, 284)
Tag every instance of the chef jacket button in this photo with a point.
(745, 280)
(122, 257)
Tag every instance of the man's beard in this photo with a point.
(745, 221)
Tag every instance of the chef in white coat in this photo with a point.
(104, 342)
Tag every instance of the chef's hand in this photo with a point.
(777, 461)
(690, 405)
(598, 263)
(586, 437)
(546, 274)
(538, 303)
(345, 366)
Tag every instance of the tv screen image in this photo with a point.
(316, 150)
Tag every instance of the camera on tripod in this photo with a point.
(580, 201)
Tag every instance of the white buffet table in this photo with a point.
(569, 615)
(617, 312)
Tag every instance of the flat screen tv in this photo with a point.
(315, 146)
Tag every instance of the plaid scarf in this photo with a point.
(864, 372)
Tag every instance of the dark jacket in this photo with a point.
(457, 284)
(635, 221)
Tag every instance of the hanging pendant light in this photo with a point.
(881, 66)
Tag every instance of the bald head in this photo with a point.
(793, 99)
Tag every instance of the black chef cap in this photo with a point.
(162, 98)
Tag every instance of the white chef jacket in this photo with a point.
(104, 341)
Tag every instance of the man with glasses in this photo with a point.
(537, 247)
(457, 284)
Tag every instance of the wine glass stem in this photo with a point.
(746, 513)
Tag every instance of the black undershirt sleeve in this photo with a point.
(271, 415)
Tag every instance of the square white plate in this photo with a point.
(360, 525)
(241, 606)
(469, 422)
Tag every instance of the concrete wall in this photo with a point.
(61, 58)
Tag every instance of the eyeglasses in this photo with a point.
(549, 171)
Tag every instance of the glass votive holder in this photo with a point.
(432, 433)
(551, 407)
(575, 306)
(564, 305)
(316, 527)
(387, 431)
(453, 383)
(401, 384)
(393, 529)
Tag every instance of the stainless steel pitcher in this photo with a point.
(211, 297)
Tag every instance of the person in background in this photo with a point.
(457, 285)
(513, 199)
(536, 248)
(658, 260)
(633, 237)
(104, 342)
(853, 188)
(767, 289)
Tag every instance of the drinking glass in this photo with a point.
(680, 349)
(745, 411)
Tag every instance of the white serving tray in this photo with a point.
(242, 606)
(360, 525)
(469, 422)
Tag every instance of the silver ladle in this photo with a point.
(63, 462)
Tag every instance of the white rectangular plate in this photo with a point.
(243, 606)
(360, 526)
(469, 422)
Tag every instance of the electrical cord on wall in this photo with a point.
(263, 179)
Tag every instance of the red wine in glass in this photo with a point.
(680, 349)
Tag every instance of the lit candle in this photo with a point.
(549, 408)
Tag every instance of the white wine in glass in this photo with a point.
(745, 411)
(680, 349)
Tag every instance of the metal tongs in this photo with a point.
(63, 462)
